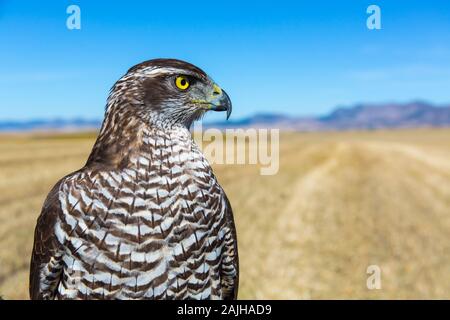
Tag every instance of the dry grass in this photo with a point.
(340, 202)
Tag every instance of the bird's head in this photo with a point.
(167, 91)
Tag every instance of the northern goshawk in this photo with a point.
(145, 218)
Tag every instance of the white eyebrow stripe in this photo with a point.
(155, 71)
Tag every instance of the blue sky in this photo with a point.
(300, 57)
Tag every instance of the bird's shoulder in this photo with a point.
(45, 238)
(46, 246)
(51, 207)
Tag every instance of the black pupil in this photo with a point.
(183, 82)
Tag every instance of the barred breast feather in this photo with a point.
(156, 227)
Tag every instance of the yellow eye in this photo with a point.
(182, 83)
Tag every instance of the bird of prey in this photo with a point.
(145, 218)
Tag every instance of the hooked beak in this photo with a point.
(221, 101)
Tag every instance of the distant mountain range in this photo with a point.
(50, 125)
(361, 116)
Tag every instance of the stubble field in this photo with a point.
(339, 203)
